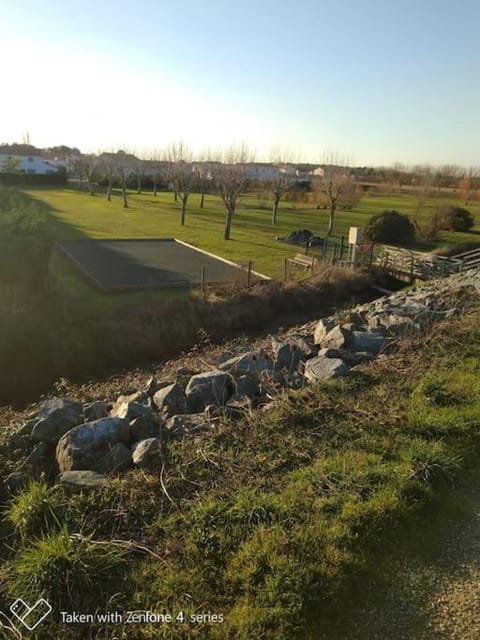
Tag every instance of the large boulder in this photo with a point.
(131, 410)
(170, 400)
(95, 410)
(144, 427)
(212, 387)
(285, 355)
(80, 480)
(322, 368)
(56, 417)
(85, 446)
(323, 327)
(337, 338)
(247, 385)
(147, 454)
(366, 342)
(186, 425)
(253, 362)
(116, 460)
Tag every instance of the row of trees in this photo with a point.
(225, 173)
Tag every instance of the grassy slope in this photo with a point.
(270, 519)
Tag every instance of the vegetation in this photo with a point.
(270, 519)
(391, 227)
(456, 219)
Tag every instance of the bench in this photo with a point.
(301, 260)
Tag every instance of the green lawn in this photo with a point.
(78, 215)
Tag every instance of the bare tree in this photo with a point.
(89, 168)
(280, 185)
(106, 161)
(182, 175)
(336, 185)
(125, 165)
(230, 179)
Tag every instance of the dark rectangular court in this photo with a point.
(122, 265)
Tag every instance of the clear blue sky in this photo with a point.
(378, 81)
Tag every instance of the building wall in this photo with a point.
(28, 164)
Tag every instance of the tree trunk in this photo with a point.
(124, 195)
(184, 209)
(155, 187)
(275, 210)
(228, 223)
(333, 207)
(109, 191)
(90, 187)
(81, 182)
(175, 196)
(139, 184)
(202, 199)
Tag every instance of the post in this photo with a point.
(411, 268)
(324, 248)
(202, 279)
(313, 265)
(249, 274)
(342, 240)
(285, 269)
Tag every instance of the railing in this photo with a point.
(417, 265)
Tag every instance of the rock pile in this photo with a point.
(83, 444)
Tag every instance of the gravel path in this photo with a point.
(427, 591)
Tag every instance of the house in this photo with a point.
(24, 158)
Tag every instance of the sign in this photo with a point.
(354, 235)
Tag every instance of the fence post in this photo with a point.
(285, 269)
(202, 279)
(342, 240)
(411, 268)
(249, 274)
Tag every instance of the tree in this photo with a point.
(280, 185)
(230, 179)
(390, 226)
(125, 164)
(11, 165)
(338, 188)
(182, 175)
(87, 167)
(107, 164)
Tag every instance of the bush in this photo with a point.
(35, 511)
(71, 571)
(391, 227)
(456, 219)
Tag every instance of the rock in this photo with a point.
(95, 410)
(212, 387)
(299, 237)
(144, 427)
(285, 355)
(253, 362)
(187, 425)
(247, 386)
(322, 368)
(83, 480)
(131, 410)
(337, 338)
(306, 348)
(56, 417)
(137, 396)
(322, 329)
(84, 446)
(42, 458)
(18, 481)
(238, 404)
(146, 454)
(170, 400)
(183, 375)
(366, 342)
(117, 459)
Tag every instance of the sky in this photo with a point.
(373, 83)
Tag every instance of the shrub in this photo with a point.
(456, 219)
(71, 571)
(390, 226)
(34, 511)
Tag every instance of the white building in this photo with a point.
(25, 163)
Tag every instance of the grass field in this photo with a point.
(79, 215)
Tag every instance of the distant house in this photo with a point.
(18, 158)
